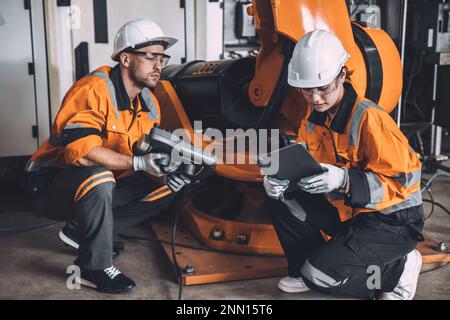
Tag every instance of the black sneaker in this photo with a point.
(69, 235)
(110, 280)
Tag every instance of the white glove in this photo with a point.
(176, 182)
(326, 182)
(148, 163)
(275, 188)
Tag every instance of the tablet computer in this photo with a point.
(291, 163)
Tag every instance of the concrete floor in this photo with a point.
(33, 264)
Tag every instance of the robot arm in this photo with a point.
(253, 93)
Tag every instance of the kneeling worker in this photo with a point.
(86, 173)
(369, 199)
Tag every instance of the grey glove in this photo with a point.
(176, 182)
(333, 179)
(275, 189)
(148, 163)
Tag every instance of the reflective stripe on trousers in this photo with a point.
(320, 278)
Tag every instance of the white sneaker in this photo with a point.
(292, 285)
(407, 285)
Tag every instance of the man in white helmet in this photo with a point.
(86, 172)
(368, 200)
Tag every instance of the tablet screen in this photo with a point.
(291, 163)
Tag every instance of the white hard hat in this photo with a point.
(317, 60)
(138, 34)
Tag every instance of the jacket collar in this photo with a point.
(342, 117)
(123, 100)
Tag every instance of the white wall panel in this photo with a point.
(17, 91)
(167, 14)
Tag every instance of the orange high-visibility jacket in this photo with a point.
(97, 112)
(384, 171)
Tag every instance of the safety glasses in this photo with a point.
(153, 57)
(322, 91)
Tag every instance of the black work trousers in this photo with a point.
(99, 205)
(344, 265)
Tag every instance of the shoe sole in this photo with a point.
(292, 290)
(68, 241)
(106, 290)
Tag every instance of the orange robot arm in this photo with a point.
(269, 102)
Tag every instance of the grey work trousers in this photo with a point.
(99, 205)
